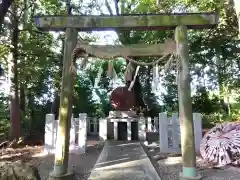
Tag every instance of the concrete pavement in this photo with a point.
(121, 160)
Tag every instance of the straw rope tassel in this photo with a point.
(84, 62)
(155, 80)
(169, 64)
(110, 69)
(72, 68)
(114, 74)
(129, 72)
(97, 79)
(155, 72)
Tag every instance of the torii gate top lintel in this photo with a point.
(163, 21)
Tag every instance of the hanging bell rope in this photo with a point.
(134, 79)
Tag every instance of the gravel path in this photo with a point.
(168, 167)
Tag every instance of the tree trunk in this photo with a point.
(4, 6)
(22, 98)
(23, 84)
(14, 91)
(223, 89)
(31, 105)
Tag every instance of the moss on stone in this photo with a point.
(174, 20)
(131, 22)
(180, 34)
(155, 20)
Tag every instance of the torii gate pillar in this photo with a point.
(185, 107)
(65, 110)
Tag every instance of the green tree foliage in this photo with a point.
(83, 96)
(4, 116)
(215, 63)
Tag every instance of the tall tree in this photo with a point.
(14, 89)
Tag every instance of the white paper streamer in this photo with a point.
(113, 83)
(156, 79)
(134, 79)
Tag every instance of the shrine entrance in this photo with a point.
(124, 119)
(134, 129)
(122, 131)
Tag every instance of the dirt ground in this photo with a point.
(168, 166)
(81, 165)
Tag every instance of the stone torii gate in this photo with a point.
(179, 22)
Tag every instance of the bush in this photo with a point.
(235, 111)
(210, 120)
(4, 128)
(4, 117)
